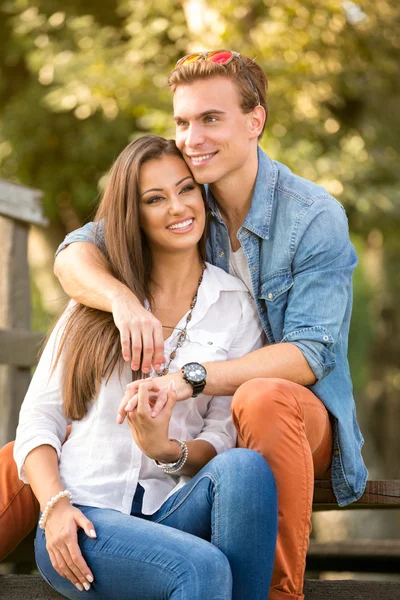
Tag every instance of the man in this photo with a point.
(287, 239)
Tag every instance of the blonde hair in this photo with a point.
(204, 69)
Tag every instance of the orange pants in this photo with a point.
(291, 428)
(19, 509)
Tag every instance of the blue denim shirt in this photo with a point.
(296, 241)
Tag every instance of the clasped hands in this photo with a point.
(147, 406)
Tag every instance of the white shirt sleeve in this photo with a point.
(42, 420)
(218, 427)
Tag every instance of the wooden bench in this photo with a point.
(362, 555)
(33, 587)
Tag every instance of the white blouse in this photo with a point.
(100, 464)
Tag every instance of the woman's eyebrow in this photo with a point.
(180, 181)
(152, 190)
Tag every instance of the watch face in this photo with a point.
(195, 372)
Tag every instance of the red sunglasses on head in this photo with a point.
(221, 57)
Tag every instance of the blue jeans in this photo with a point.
(231, 502)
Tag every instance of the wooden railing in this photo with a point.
(19, 208)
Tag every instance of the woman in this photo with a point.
(150, 494)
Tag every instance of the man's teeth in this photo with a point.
(198, 159)
(181, 225)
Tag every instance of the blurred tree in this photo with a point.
(78, 83)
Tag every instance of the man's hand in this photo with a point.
(157, 394)
(141, 333)
(62, 543)
(150, 434)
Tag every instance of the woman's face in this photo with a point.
(171, 205)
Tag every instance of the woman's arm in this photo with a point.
(41, 468)
(40, 434)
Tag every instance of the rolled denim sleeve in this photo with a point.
(91, 232)
(317, 316)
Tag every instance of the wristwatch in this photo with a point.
(195, 374)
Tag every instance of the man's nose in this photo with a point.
(194, 137)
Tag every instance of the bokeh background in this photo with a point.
(80, 79)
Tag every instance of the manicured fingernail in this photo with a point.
(92, 534)
(86, 586)
(89, 578)
(157, 367)
(172, 386)
(153, 414)
(79, 587)
(119, 419)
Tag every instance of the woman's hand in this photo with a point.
(157, 394)
(151, 434)
(62, 543)
(140, 332)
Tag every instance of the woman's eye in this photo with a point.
(187, 188)
(154, 199)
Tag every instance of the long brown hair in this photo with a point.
(90, 341)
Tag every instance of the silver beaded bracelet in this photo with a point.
(50, 505)
(172, 468)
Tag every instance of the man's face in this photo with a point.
(212, 132)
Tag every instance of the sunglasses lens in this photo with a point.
(220, 56)
(188, 59)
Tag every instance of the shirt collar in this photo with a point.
(258, 219)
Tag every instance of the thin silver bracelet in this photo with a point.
(172, 468)
(50, 505)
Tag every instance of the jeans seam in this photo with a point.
(174, 508)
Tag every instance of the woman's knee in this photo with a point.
(244, 466)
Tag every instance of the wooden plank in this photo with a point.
(15, 313)
(21, 203)
(20, 347)
(378, 494)
(361, 556)
(33, 587)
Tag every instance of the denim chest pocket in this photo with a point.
(274, 294)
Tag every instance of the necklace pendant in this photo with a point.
(172, 355)
(164, 371)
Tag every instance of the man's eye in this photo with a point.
(181, 123)
(210, 119)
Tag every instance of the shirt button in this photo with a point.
(270, 296)
(210, 343)
(254, 269)
(325, 338)
(221, 254)
(337, 452)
